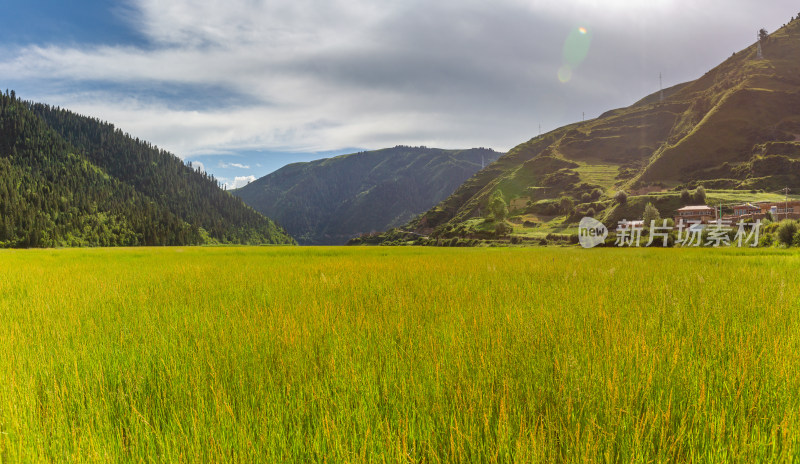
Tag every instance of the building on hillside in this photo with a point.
(745, 210)
(702, 213)
(780, 209)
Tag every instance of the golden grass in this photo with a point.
(399, 355)
(604, 175)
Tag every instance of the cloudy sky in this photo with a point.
(243, 87)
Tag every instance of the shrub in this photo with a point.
(497, 206)
(566, 205)
(502, 229)
(700, 195)
(686, 197)
(621, 197)
(651, 214)
(786, 232)
(545, 207)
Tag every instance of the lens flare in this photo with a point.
(564, 74)
(576, 46)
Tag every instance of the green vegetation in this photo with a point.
(604, 175)
(740, 196)
(686, 197)
(700, 195)
(399, 355)
(566, 205)
(67, 180)
(650, 214)
(497, 207)
(332, 200)
(786, 232)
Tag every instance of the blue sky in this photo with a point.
(246, 86)
(78, 22)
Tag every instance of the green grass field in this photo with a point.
(399, 355)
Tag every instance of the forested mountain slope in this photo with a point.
(69, 180)
(331, 200)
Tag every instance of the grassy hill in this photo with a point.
(737, 128)
(331, 200)
(69, 180)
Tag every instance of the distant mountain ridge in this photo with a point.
(331, 200)
(70, 180)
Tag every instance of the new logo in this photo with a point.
(591, 232)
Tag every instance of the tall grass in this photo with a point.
(399, 355)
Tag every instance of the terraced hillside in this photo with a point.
(735, 128)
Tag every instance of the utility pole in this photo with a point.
(660, 89)
(540, 128)
(759, 55)
(583, 116)
(786, 203)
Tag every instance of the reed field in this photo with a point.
(291, 354)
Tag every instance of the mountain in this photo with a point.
(735, 131)
(69, 180)
(331, 200)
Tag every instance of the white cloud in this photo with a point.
(240, 181)
(225, 165)
(313, 75)
(199, 166)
